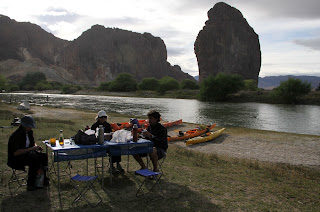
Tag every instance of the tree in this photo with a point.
(168, 83)
(149, 83)
(123, 82)
(318, 88)
(217, 88)
(31, 79)
(3, 82)
(291, 89)
(250, 85)
(189, 84)
(104, 86)
(43, 85)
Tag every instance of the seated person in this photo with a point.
(101, 119)
(23, 151)
(158, 135)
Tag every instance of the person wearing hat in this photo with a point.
(23, 151)
(101, 119)
(156, 133)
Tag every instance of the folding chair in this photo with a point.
(87, 184)
(19, 177)
(147, 174)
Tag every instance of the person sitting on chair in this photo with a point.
(157, 133)
(23, 151)
(101, 119)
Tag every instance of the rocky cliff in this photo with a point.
(98, 55)
(227, 44)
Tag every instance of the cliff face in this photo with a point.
(98, 55)
(227, 44)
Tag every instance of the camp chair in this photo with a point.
(18, 177)
(148, 175)
(83, 184)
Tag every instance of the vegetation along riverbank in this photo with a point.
(242, 170)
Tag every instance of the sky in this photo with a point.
(289, 30)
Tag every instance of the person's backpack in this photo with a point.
(84, 139)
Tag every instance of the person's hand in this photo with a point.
(146, 134)
(37, 148)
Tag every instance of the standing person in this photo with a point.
(157, 133)
(101, 119)
(23, 151)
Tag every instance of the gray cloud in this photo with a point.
(176, 51)
(55, 15)
(313, 43)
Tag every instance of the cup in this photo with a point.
(52, 141)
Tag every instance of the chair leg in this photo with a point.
(88, 184)
(15, 178)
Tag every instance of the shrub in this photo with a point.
(189, 84)
(291, 89)
(43, 85)
(104, 86)
(168, 83)
(149, 83)
(250, 85)
(217, 88)
(123, 82)
(31, 79)
(67, 89)
(3, 82)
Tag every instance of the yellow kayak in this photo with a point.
(205, 137)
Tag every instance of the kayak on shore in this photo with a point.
(191, 133)
(205, 137)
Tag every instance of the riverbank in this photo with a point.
(242, 143)
(196, 178)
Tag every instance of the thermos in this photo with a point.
(101, 135)
(135, 133)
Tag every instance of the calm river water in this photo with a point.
(302, 119)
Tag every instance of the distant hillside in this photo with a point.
(274, 81)
(97, 55)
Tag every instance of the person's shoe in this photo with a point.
(31, 188)
(120, 169)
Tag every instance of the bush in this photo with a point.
(250, 85)
(31, 79)
(123, 82)
(291, 89)
(43, 85)
(168, 83)
(189, 84)
(149, 83)
(104, 86)
(3, 82)
(67, 89)
(217, 88)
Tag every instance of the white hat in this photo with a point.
(102, 113)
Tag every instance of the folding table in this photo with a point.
(71, 151)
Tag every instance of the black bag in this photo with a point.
(84, 139)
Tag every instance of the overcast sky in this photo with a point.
(289, 30)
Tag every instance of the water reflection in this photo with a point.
(301, 119)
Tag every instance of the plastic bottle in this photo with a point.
(135, 133)
(61, 138)
(101, 134)
(39, 178)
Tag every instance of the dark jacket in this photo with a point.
(106, 125)
(17, 141)
(160, 135)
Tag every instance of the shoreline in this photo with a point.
(239, 143)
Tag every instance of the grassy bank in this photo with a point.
(192, 182)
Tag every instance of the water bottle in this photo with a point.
(61, 138)
(135, 133)
(39, 179)
(101, 134)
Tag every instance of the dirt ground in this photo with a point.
(259, 145)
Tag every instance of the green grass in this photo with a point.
(192, 181)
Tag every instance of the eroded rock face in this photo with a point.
(227, 44)
(98, 55)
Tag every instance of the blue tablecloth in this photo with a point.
(131, 148)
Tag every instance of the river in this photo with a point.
(301, 119)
